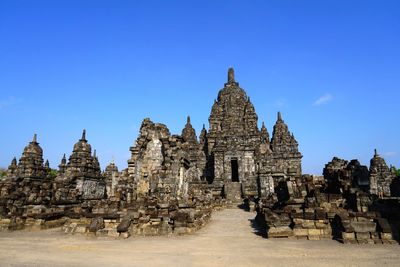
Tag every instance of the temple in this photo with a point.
(173, 182)
(236, 158)
(242, 159)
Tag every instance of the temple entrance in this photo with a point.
(235, 170)
(282, 191)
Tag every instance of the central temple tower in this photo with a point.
(241, 159)
(233, 137)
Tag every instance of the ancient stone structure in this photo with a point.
(380, 176)
(12, 169)
(173, 182)
(81, 176)
(241, 158)
(111, 175)
(31, 162)
(342, 175)
(338, 206)
(82, 164)
(63, 165)
(163, 163)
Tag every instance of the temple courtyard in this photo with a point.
(230, 239)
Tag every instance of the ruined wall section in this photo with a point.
(162, 163)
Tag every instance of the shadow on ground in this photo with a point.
(258, 229)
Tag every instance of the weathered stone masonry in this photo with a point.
(173, 182)
(242, 160)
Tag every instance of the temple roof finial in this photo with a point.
(376, 153)
(231, 75)
(204, 126)
(94, 153)
(83, 135)
(64, 160)
(279, 116)
(188, 119)
(34, 140)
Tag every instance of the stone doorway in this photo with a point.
(282, 191)
(235, 170)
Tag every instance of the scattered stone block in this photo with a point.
(96, 225)
(363, 226)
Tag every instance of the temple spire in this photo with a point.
(376, 153)
(188, 133)
(83, 135)
(279, 116)
(64, 159)
(34, 140)
(63, 164)
(231, 75)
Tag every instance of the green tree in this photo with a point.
(53, 174)
(396, 171)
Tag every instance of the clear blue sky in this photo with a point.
(331, 67)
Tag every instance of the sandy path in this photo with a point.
(229, 240)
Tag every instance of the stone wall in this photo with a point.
(339, 207)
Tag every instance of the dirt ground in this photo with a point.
(228, 240)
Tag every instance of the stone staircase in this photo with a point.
(233, 193)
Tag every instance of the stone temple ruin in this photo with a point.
(241, 159)
(173, 183)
